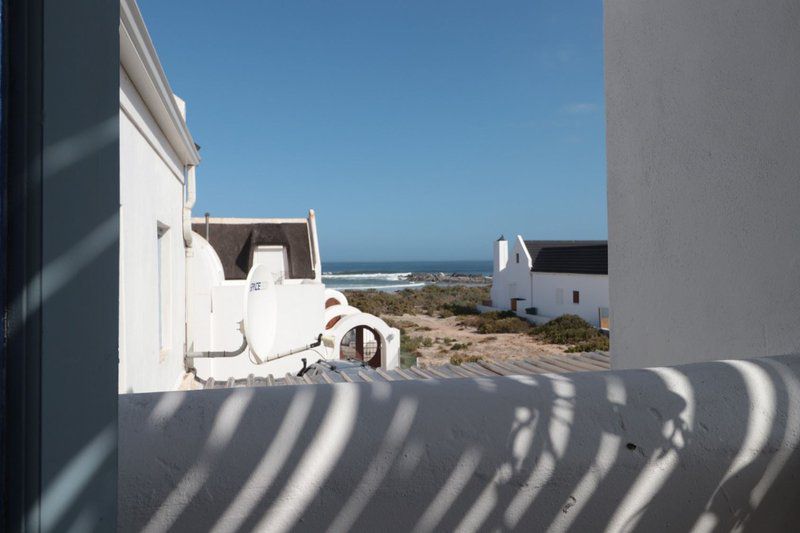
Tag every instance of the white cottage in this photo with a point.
(542, 280)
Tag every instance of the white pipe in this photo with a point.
(312, 226)
(191, 197)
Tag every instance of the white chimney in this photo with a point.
(181, 106)
(500, 254)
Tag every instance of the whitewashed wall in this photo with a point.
(593, 295)
(703, 120)
(514, 281)
(539, 288)
(151, 192)
(711, 446)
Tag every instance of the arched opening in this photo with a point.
(362, 343)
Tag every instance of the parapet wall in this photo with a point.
(706, 445)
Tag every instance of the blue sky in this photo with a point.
(416, 129)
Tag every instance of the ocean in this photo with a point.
(387, 276)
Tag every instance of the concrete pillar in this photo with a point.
(703, 119)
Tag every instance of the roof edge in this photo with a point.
(233, 220)
(139, 58)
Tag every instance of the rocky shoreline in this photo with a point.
(442, 278)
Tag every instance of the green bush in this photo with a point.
(572, 330)
(457, 360)
(431, 300)
(598, 343)
(496, 322)
(504, 325)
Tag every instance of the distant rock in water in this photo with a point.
(447, 279)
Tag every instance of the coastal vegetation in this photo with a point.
(476, 332)
(574, 331)
(431, 300)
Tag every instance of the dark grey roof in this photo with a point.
(235, 243)
(569, 257)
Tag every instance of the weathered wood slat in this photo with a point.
(587, 364)
(456, 369)
(326, 377)
(365, 376)
(437, 372)
(403, 373)
(478, 369)
(270, 380)
(347, 377)
(421, 373)
(209, 384)
(250, 381)
(385, 375)
(519, 369)
(495, 368)
(545, 366)
(531, 368)
(598, 357)
(566, 365)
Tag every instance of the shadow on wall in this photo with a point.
(711, 445)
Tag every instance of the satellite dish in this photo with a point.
(260, 311)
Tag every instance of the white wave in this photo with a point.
(378, 287)
(388, 276)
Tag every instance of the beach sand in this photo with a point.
(446, 333)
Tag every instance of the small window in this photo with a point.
(517, 258)
(576, 297)
(559, 296)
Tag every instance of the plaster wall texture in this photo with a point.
(151, 193)
(703, 179)
(593, 291)
(538, 289)
(708, 445)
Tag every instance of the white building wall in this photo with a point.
(538, 289)
(703, 186)
(593, 291)
(151, 193)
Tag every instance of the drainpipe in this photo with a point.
(191, 196)
(312, 225)
(530, 302)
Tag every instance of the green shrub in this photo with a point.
(598, 343)
(572, 330)
(431, 300)
(496, 322)
(459, 359)
(504, 325)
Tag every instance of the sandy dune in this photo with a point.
(499, 346)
